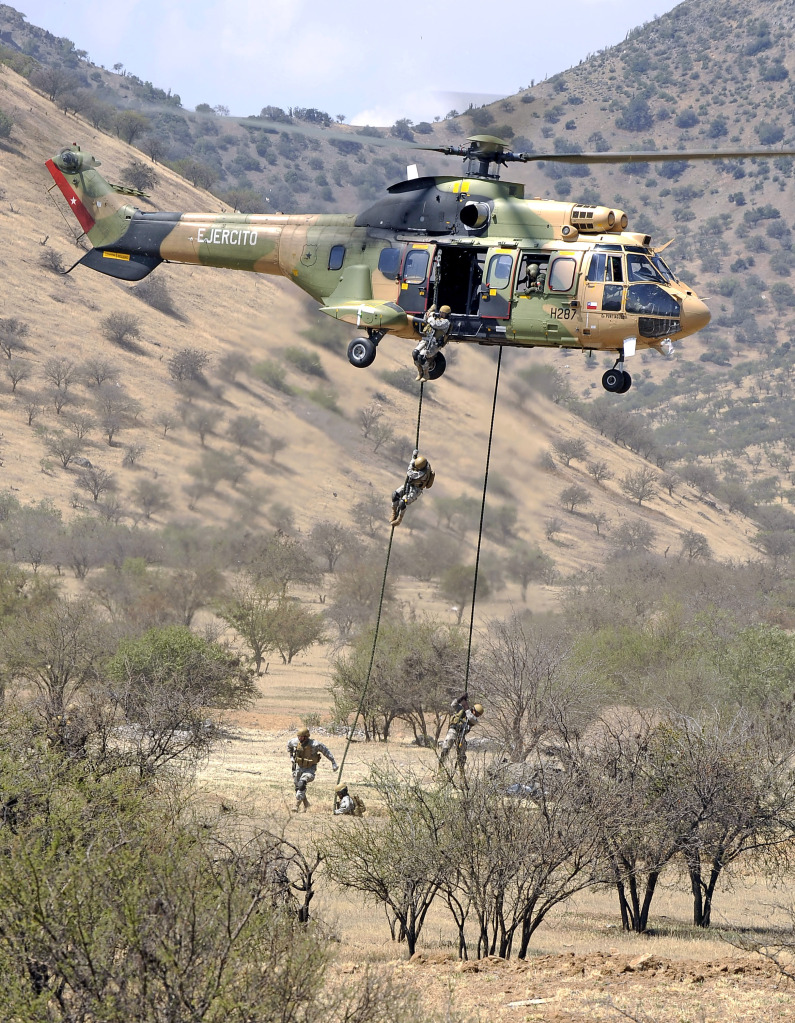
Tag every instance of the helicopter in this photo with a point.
(513, 271)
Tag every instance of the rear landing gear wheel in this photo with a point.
(361, 352)
(438, 366)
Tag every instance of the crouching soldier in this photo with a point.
(419, 477)
(462, 719)
(305, 754)
(345, 804)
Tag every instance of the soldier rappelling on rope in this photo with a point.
(462, 719)
(419, 477)
(434, 328)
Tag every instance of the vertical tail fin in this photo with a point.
(101, 211)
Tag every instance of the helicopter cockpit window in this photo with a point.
(664, 269)
(561, 274)
(641, 270)
(605, 267)
(336, 257)
(415, 269)
(499, 274)
(389, 262)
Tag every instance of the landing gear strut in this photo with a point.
(617, 380)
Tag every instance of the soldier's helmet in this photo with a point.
(420, 462)
(477, 710)
(303, 733)
(339, 789)
(445, 310)
(532, 271)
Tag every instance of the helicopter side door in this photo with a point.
(414, 277)
(496, 289)
(603, 293)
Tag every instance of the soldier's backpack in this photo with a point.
(359, 807)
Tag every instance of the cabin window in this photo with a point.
(561, 274)
(499, 274)
(415, 269)
(336, 256)
(612, 298)
(388, 262)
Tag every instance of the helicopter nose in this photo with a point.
(695, 314)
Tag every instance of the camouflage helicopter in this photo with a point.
(514, 271)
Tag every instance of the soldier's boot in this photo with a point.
(397, 514)
(421, 365)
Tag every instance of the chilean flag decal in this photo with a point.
(592, 305)
(77, 207)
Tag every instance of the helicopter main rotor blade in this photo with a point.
(653, 156)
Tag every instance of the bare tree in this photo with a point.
(12, 336)
(121, 329)
(64, 446)
(574, 496)
(188, 364)
(569, 448)
(150, 496)
(97, 370)
(17, 370)
(166, 420)
(599, 471)
(244, 431)
(96, 481)
(641, 485)
(60, 372)
(368, 417)
(331, 540)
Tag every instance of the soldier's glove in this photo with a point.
(333, 766)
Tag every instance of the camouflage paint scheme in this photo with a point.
(469, 237)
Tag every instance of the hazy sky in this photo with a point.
(372, 62)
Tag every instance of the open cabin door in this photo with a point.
(497, 286)
(414, 277)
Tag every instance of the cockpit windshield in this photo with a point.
(664, 269)
(640, 269)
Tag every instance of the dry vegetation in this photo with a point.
(318, 464)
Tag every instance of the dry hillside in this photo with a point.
(325, 464)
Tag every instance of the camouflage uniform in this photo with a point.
(419, 477)
(462, 719)
(344, 804)
(305, 756)
(435, 329)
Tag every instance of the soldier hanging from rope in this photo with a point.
(434, 328)
(462, 719)
(419, 477)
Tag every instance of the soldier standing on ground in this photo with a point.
(305, 754)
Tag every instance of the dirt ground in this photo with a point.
(582, 968)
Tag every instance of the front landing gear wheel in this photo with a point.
(613, 380)
(361, 352)
(438, 366)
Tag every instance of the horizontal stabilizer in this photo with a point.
(368, 313)
(121, 265)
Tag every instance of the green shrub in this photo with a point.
(306, 361)
(273, 375)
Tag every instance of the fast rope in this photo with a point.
(389, 552)
(480, 527)
(380, 608)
